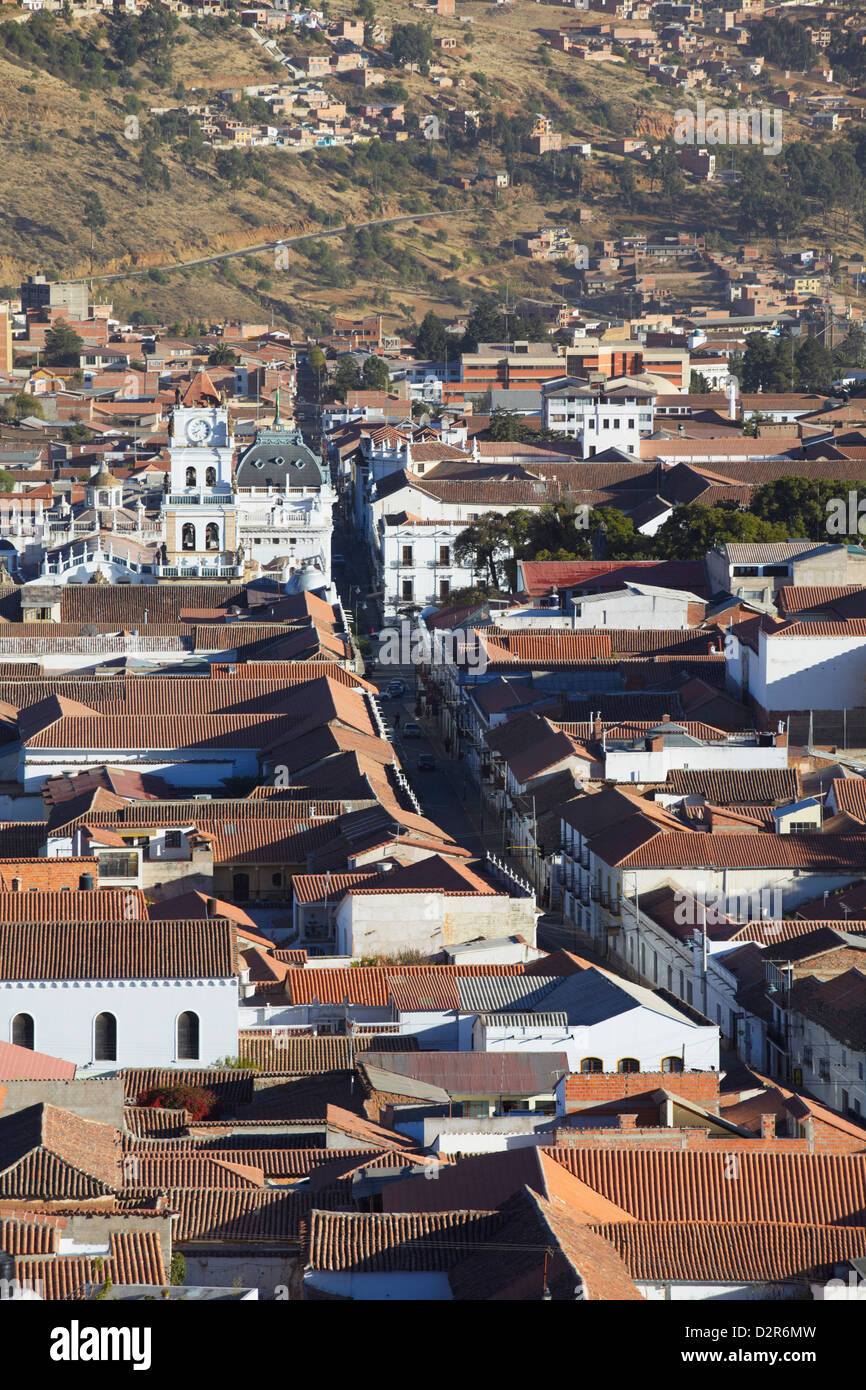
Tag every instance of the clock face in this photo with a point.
(198, 430)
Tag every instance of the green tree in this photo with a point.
(63, 346)
(485, 544)
(318, 365)
(412, 43)
(177, 1273)
(366, 10)
(375, 375)
(347, 377)
(432, 339)
(693, 530)
(814, 366)
(784, 42)
(222, 356)
(504, 424)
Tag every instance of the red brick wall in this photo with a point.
(832, 1141)
(51, 875)
(700, 1086)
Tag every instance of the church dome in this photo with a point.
(306, 578)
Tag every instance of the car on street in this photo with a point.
(396, 688)
(411, 730)
(426, 762)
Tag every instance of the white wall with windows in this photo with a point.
(102, 1025)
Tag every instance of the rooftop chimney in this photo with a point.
(768, 1126)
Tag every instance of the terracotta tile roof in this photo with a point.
(543, 1250)
(434, 874)
(150, 1122)
(850, 796)
(27, 1233)
(473, 1073)
(287, 1055)
(772, 932)
(483, 1180)
(376, 1243)
(807, 1189)
(370, 984)
(94, 905)
(320, 888)
(232, 1087)
(53, 1152)
(545, 646)
(135, 1258)
(127, 603)
(233, 1215)
(840, 598)
(122, 781)
(145, 1172)
(729, 787)
(751, 1252)
(143, 732)
(356, 1127)
(116, 950)
(688, 849)
(598, 575)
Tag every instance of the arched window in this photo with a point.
(210, 477)
(672, 1064)
(628, 1064)
(212, 536)
(591, 1064)
(105, 1038)
(191, 478)
(187, 1037)
(188, 536)
(23, 1031)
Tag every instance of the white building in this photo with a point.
(599, 417)
(670, 745)
(284, 501)
(606, 1024)
(106, 995)
(798, 667)
(418, 564)
(200, 512)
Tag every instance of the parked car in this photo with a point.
(411, 730)
(426, 762)
(396, 688)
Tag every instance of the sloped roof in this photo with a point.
(116, 950)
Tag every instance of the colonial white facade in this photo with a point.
(146, 1013)
(598, 417)
(416, 562)
(200, 522)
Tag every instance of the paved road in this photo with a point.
(318, 235)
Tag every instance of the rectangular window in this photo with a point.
(444, 588)
(445, 555)
(173, 839)
(406, 555)
(406, 590)
(118, 865)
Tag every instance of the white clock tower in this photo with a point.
(201, 529)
